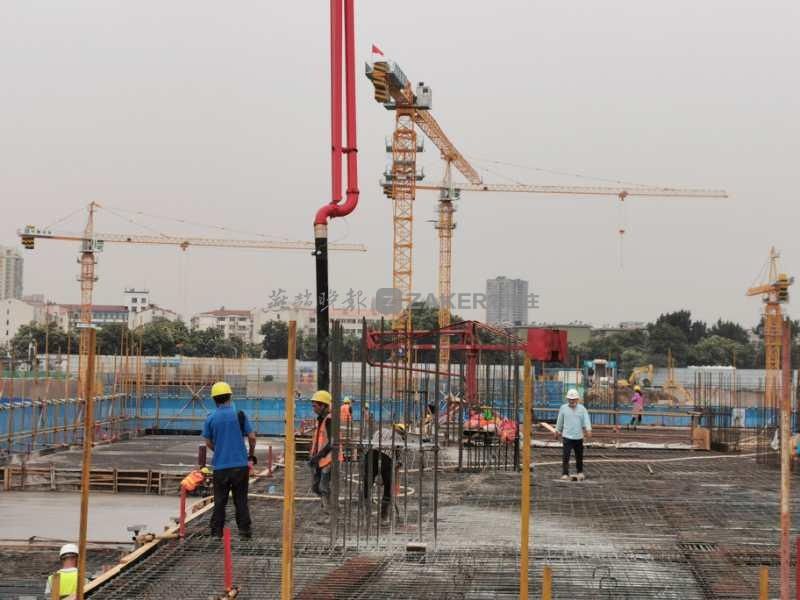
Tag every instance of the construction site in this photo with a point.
(423, 462)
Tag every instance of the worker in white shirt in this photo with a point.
(572, 426)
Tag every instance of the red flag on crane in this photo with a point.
(376, 50)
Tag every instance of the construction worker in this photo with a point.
(224, 431)
(572, 425)
(320, 455)
(379, 460)
(345, 412)
(68, 573)
(637, 405)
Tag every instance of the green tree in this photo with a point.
(730, 330)
(306, 346)
(109, 337)
(665, 337)
(694, 331)
(38, 337)
(253, 350)
(157, 338)
(718, 350)
(276, 339)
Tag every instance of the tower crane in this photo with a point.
(93, 242)
(393, 90)
(774, 293)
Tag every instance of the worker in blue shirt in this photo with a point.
(572, 425)
(224, 432)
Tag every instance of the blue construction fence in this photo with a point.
(182, 413)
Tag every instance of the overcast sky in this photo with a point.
(218, 113)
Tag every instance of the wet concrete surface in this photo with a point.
(165, 453)
(54, 515)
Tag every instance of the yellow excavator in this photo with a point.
(642, 376)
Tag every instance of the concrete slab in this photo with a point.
(55, 515)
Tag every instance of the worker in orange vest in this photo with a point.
(345, 412)
(320, 456)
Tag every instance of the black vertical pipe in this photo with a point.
(323, 326)
(335, 440)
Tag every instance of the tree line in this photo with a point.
(691, 342)
(161, 337)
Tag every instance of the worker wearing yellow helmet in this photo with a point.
(67, 574)
(346, 413)
(320, 456)
(637, 407)
(380, 458)
(224, 432)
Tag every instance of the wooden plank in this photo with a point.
(146, 548)
(547, 426)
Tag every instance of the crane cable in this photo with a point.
(622, 212)
(133, 222)
(563, 173)
(206, 225)
(759, 278)
(62, 219)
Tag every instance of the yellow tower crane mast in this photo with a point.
(412, 108)
(774, 293)
(393, 90)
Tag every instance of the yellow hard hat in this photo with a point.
(322, 396)
(347, 400)
(636, 388)
(400, 426)
(205, 471)
(220, 388)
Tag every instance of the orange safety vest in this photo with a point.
(192, 480)
(321, 440)
(345, 415)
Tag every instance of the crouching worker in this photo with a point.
(379, 460)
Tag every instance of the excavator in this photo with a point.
(642, 376)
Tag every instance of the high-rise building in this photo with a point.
(10, 273)
(506, 301)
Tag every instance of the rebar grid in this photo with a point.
(645, 524)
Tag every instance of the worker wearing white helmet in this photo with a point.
(67, 574)
(382, 459)
(572, 425)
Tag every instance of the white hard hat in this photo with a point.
(68, 549)
(572, 394)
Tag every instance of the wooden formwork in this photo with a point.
(23, 477)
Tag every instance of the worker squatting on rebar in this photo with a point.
(379, 459)
(67, 574)
(224, 431)
(572, 425)
(320, 456)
